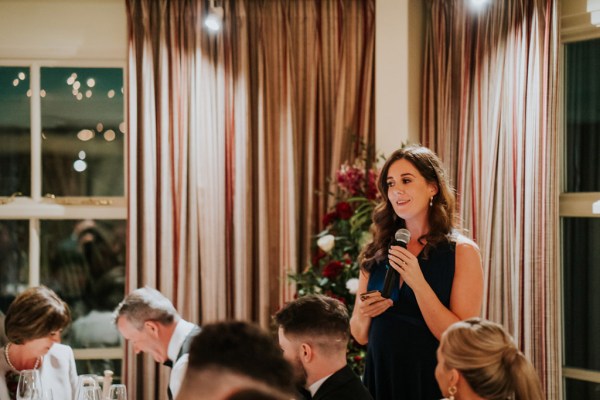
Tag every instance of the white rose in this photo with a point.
(352, 285)
(326, 243)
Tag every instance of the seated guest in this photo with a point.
(477, 359)
(226, 357)
(34, 322)
(149, 321)
(314, 332)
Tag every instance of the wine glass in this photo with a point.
(117, 392)
(89, 393)
(87, 386)
(30, 385)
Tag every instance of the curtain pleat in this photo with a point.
(231, 138)
(240, 167)
(353, 70)
(307, 81)
(490, 111)
(276, 185)
(163, 244)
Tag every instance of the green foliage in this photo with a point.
(334, 266)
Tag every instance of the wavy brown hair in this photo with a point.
(489, 360)
(34, 314)
(442, 213)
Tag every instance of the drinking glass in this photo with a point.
(117, 392)
(89, 393)
(30, 385)
(87, 385)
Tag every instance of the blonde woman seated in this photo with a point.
(34, 322)
(477, 359)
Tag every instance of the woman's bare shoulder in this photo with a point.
(463, 243)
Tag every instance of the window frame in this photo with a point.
(38, 207)
(571, 204)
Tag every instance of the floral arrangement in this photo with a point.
(334, 267)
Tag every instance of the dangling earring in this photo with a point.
(451, 392)
(431, 201)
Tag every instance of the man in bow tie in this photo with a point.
(313, 333)
(148, 320)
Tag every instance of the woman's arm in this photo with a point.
(366, 309)
(467, 287)
(360, 323)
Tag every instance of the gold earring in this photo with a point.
(451, 392)
(431, 201)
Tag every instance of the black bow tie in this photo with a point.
(168, 363)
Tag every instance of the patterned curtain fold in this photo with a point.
(490, 110)
(230, 138)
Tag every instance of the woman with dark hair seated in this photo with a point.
(477, 359)
(34, 322)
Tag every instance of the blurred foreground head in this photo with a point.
(228, 357)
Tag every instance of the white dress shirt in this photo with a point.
(316, 385)
(182, 330)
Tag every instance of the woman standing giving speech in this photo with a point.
(440, 278)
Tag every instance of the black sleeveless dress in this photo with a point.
(401, 354)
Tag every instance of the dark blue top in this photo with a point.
(401, 354)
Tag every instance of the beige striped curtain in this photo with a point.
(230, 137)
(490, 110)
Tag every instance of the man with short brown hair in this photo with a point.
(314, 331)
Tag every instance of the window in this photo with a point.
(580, 222)
(62, 197)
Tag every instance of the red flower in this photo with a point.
(350, 179)
(317, 256)
(372, 192)
(357, 358)
(355, 180)
(344, 209)
(333, 269)
(329, 218)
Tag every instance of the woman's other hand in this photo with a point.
(373, 304)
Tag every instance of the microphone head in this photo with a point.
(402, 235)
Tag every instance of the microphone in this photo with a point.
(392, 277)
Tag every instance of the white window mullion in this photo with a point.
(36, 133)
(36, 173)
(34, 252)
